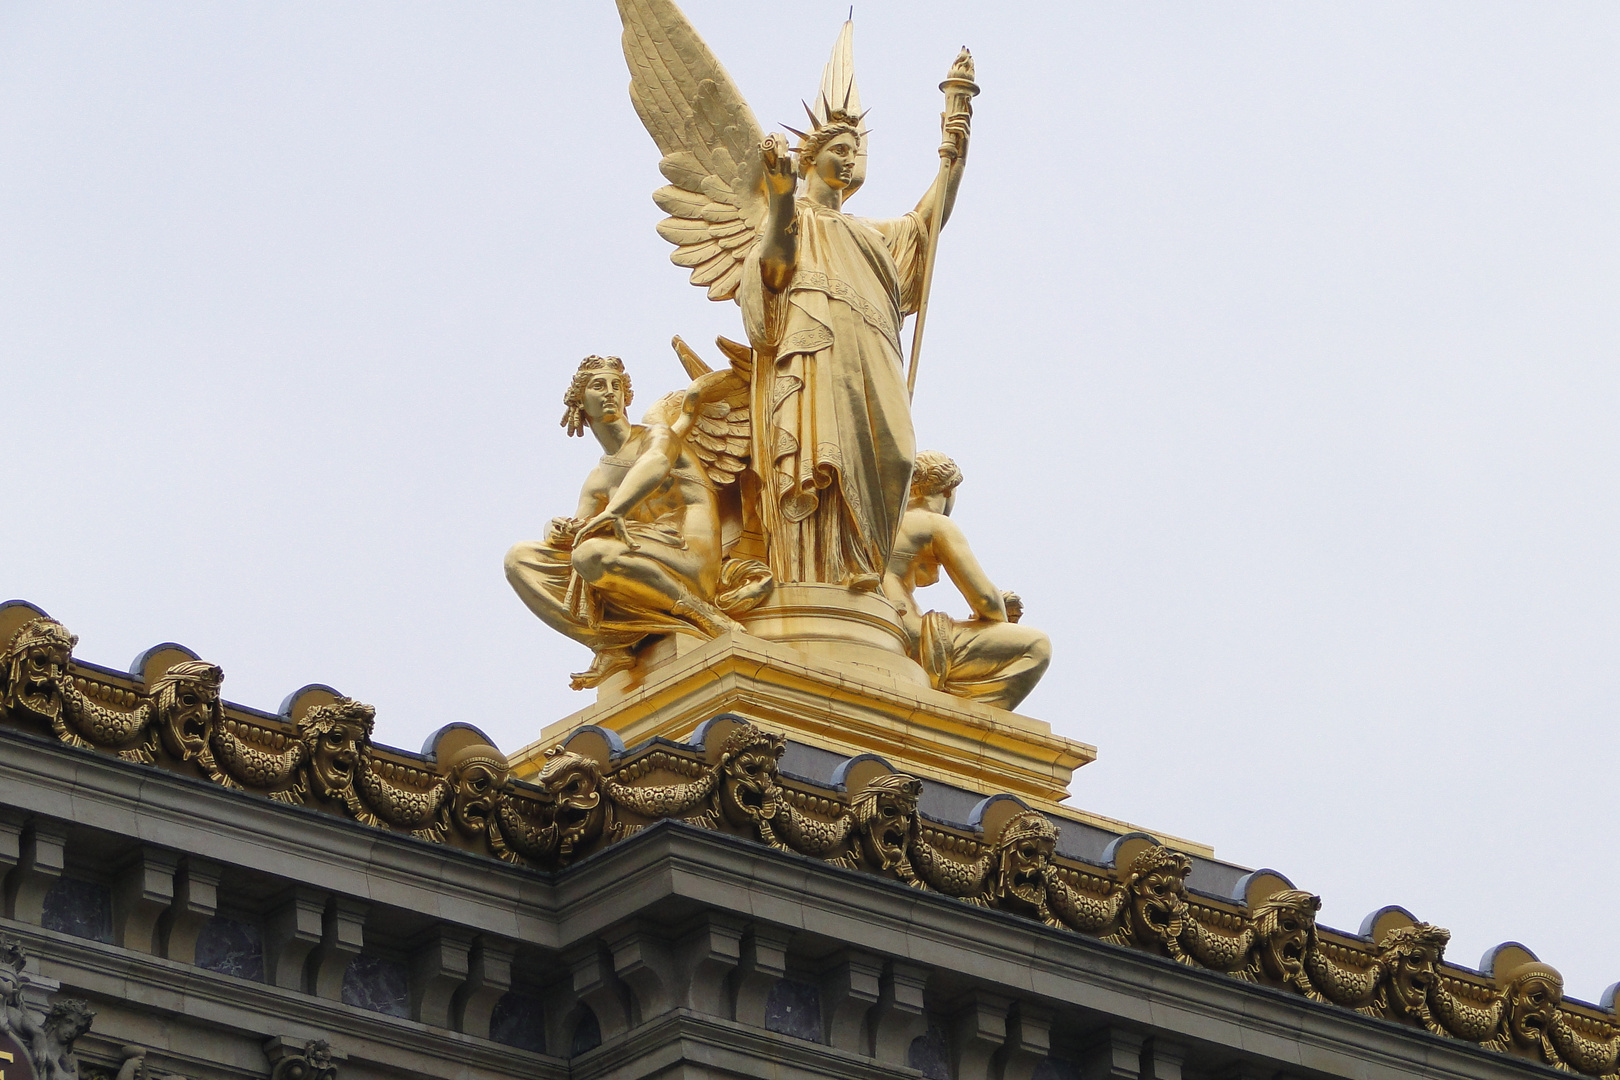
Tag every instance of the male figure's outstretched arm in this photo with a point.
(951, 549)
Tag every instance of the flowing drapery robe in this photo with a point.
(671, 529)
(833, 443)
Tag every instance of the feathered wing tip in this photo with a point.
(840, 94)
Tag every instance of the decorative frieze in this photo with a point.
(591, 793)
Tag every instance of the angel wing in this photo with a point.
(710, 140)
(720, 434)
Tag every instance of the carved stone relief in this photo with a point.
(588, 795)
(45, 1041)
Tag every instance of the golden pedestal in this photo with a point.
(828, 667)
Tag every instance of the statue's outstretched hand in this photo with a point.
(781, 178)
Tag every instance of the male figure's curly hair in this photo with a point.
(574, 399)
(67, 1020)
(933, 473)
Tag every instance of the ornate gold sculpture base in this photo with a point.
(837, 626)
(827, 667)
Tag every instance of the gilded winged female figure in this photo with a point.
(822, 292)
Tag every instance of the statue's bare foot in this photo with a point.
(865, 582)
(606, 663)
(704, 615)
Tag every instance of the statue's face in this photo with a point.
(477, 786)
(578, 807)
(748, 790)
(189, 707)
(335, 754)
(67, 1023)
(1288, 937)
(1531, 1004)
(1411, 974)
(1024, 867)
(37, 677)
(835, 163)
(603, 397)
(1159, 900)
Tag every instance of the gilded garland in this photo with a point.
(585, 798)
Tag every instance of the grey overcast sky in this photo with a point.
(1278, 343)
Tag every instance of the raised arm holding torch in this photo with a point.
(960, 90)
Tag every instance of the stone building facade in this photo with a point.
(234, 894)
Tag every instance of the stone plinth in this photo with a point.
(876, 702)
(835, 626)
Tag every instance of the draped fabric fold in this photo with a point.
(833, 442)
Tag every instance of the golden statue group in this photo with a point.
(795, 463)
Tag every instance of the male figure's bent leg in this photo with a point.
(539, 574)
(639, 581)
(997, 663)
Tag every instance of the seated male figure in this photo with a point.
(642, 555)
(989, 657)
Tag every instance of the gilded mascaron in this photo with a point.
(590, 793)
